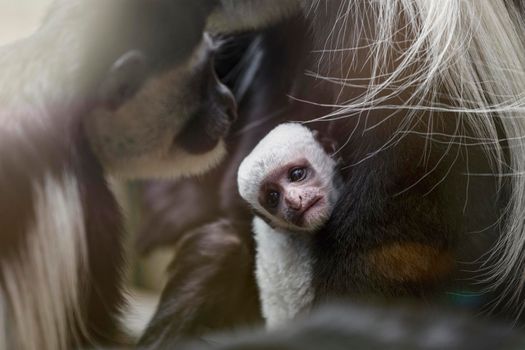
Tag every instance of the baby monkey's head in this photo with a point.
(289, 179)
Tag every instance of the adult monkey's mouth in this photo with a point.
(207, 127)
(211, 121)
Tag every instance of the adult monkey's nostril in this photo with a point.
(227, 101)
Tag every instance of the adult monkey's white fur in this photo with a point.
(471, 49)
(39, 294)
(45, 301)
(283, 258)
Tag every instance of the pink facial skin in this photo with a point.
(295, 196)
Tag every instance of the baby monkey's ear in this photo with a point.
(124, 79)
(329, 144)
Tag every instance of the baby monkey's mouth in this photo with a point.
(309, 216)
(310, 205)
(203, 132)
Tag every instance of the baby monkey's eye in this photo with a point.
(272, 199)
(297, 174)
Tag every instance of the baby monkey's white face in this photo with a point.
(290, 179)
(296, 196)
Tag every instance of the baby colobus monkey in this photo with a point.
(290, 181)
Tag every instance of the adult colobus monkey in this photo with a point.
(120, 87)
(426, 101)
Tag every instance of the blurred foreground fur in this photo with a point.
(343, 326)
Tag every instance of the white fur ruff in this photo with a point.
(284, 273)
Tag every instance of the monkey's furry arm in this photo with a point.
(211, 286)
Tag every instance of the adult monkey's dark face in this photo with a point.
(161, 110)
(212, 117)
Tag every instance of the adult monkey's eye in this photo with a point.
(297, 174)
(272, 199)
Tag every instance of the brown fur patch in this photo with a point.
(411, 262)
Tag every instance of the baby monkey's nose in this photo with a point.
(293, 199)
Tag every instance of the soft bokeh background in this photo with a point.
(18, 19)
